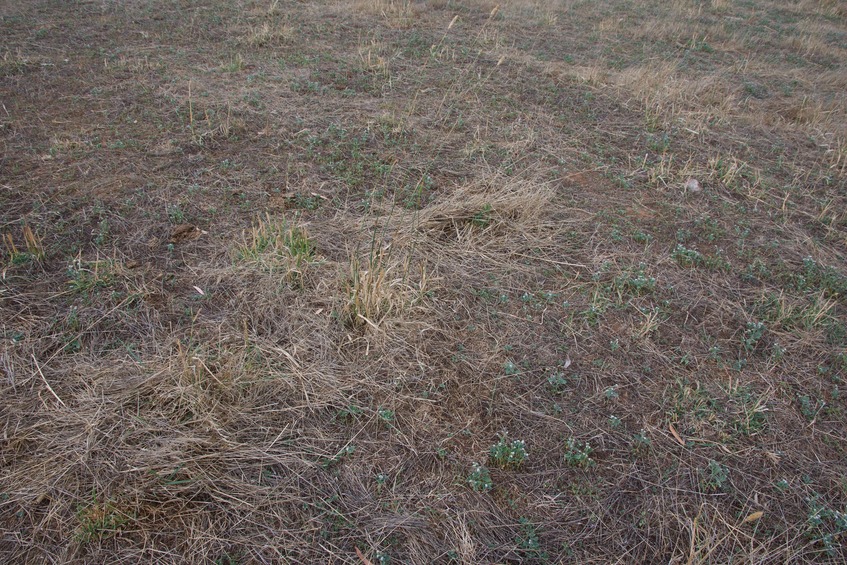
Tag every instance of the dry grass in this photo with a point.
(279, 278)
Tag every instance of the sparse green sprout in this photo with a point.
(381, 479)
(346, 451)
(808, 407)
(817, 277)
(557, 381)
(659, 143)
(548, 295)
(777, 353)
(483, 217)
(825, 525)
(714, 476)
(634, 283)
(641, 443)
(505, 453)
(611, 393)
(527, 540)
(615, 422)
(578, 454)
(235, 64)
(715, 353)
(277, 245)
(175, 214)
(386, 415)
(642, 237)
(98, 520)
(752, 334)
(102, 232)
(86, 277)
(480, 478)
(349, 413)
(510, 368)
(686, 257)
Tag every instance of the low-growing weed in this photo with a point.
(527, 540)
(506, 454)
(578, 453)
(480, 478)
(825, 526)
(714, 477)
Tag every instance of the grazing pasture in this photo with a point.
(445, 281)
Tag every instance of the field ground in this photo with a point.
(371, 281)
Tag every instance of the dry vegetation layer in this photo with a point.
(374, 281)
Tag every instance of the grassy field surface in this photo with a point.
(378, 281)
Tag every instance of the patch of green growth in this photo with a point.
(307, 202)
(175, 214)
(753, 334)
(710, 228)
(810, 407)
(346, 451)
(751, 416)
(349, 157)
(351, 80)
(642, 237)
(492, 295)
(308, 87)
(755, 89)
(382, 557)
(686, 257)
(348, 413)
(277, 245)
(482, 218)
(510, 369)
(641, 443)
(777, 353)
(102, 232)
(227, 559)
(633, 283)
(34, 248)
(692, 400)
(85, 277)
(508, 454)
(825, 526)
(815, 277)
(659, 143)
(413, 194)
(578, 453)
(528, 541)
(386, 415)
(480, 478)
(98, 520)
(714, 477)
(596, 308)
(557, 381)
(334, 520)
(234, 65)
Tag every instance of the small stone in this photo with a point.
(693, 185)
